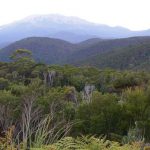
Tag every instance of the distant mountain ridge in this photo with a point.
(71, 29)
(124, 53)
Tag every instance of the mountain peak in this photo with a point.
(68, 28)
(56, 18)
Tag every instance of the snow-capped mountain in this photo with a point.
(72, 29)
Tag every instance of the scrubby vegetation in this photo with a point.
(51, 107)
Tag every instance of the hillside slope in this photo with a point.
(47, 50)
(127, 53)
(132, 57)
(104, 46)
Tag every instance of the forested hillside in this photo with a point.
(132, 57)
(46, 50)
(127, 53)
(51, 106)
(105, 46)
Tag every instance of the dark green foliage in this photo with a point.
(3, 83)
(101, 115)
(119, 101)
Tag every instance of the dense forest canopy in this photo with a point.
(43, 103)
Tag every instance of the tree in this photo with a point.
(20, 55)
(8, 109)
(22, 63)
(101, 115)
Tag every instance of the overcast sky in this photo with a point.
(133, 14)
